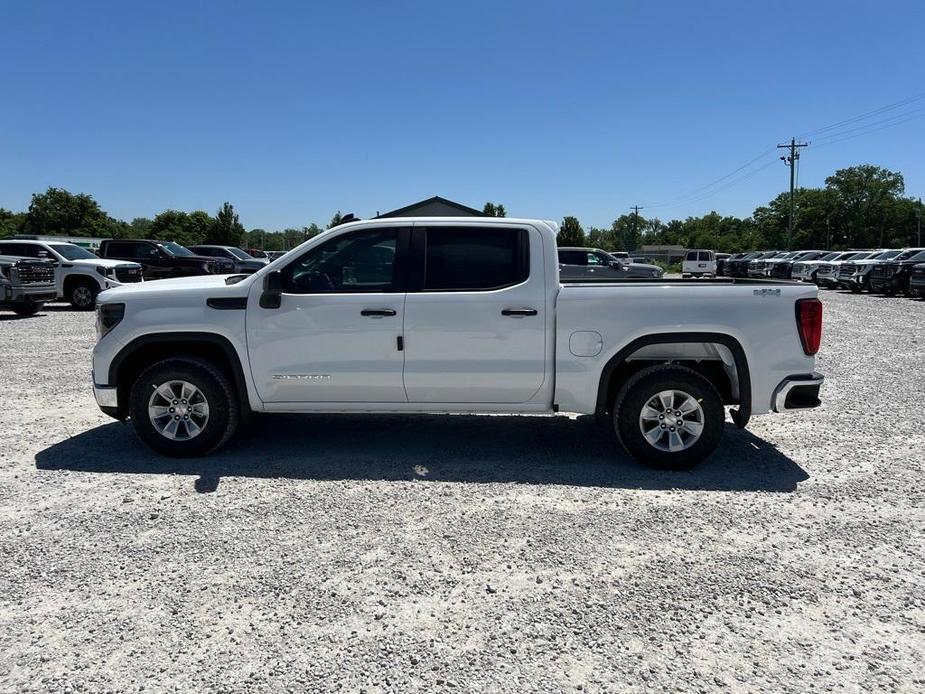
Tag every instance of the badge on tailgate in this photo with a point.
(766, 292)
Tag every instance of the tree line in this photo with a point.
(859, 207)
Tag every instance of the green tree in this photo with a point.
(59, 212)
(11, 222)
(141, 227)
(866, 196)
(494, 210)
(225, 229)
(311, 231)
(336, 220)
(570, 233)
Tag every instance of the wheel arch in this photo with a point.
(145, 350)
(620, 367)
(76, 279)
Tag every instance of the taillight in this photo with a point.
(809, 324)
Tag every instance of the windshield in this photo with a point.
(71, 252)
(176, 249)
(862, 256)
(885, 255)
(906, 255)
(918, 256)
(239, 254)
(828, 256)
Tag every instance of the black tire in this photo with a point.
(82, 295)
(641, 388)
(219, 394)
(26, 310)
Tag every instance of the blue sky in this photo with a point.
(292, 110)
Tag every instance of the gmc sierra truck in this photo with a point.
(25, 284)
(453, 315)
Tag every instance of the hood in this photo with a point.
(100, 262)
(176, 284)
(644, 266)
(254, 264)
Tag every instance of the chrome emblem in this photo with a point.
(301, 377)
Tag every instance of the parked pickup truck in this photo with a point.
(79, 275)
(453, 315)
(164, 259)
(25, 285)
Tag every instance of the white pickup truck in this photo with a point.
(453, 315)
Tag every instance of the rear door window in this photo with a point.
(704, 255)
(692, 255)
(475, 258)
(573, 257)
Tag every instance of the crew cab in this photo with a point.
(580, 263)
(164, 259)
(25, 284)
(445, 314)
(79, 274)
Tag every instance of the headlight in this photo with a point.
(108, 316)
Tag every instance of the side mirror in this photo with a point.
(272, 296)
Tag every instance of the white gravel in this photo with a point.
(466, 553)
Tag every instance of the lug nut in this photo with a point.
(177, 417)
(171, 409)
(175, 402)
(671, 429)
(661, 416)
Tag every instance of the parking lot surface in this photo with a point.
(466, 553)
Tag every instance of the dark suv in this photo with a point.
(164, 259)
(893, 276)
(243, 263)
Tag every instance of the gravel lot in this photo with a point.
(466, 553)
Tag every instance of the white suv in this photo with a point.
(79, 275)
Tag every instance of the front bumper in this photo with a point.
(798, 392)
(879, 284)
(107, 398)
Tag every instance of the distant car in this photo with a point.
(273, 255)
(592, 263)
(26, 284)
(256, 253)
(738, 266)
(79, 274)
(781, 268)
(855, 274)
(164, 259)
(721, 259)
(827, 272)
(757, 266)
(893, 275)
(917, 280)
(243, 263)
(699, 263)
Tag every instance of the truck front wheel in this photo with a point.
(669, 416)
(82, 294)
(184, 407)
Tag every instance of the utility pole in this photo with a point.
(635, 209)
(791, 161)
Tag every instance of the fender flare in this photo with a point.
(740, 416)
(237, 370)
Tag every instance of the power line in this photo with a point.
(898, 116)
(867, 132)
(855, 119)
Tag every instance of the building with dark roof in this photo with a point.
(434, 207)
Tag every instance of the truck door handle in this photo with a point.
(377, 312)
(518, 312)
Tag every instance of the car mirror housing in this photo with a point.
(272, 296)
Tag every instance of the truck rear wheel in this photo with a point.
(184, 407)
(669, 416)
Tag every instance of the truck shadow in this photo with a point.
(439, 448)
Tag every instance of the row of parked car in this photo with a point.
(34, 271)
(887, 271)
